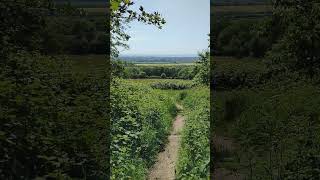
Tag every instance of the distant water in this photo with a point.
(159, 59)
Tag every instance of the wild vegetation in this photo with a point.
(54, 120)
(194, 154)
(266, 108)
(143, 104)
(143, 112)
(142, 117)
(141, 120)
(56, 105)
(54, 114)
(175, 85)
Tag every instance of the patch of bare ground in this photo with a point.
(164, 168)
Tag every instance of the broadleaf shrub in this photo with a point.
(194, 154)
(175, 85)
(54, 123)
(141, 121)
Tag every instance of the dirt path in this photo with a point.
(164, 169)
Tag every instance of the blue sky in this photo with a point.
(184, 34)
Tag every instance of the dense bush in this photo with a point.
(54, 124)
(275, 128)
(275, 123)
(297, 48)
(194, 155)
(21, 28)
(78, 35)
(286, 132)
(170, 84)
(240, 73)
(141, 120)
(50, 34)
(203, 69)
(241, 38)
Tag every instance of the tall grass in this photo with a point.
(194, 154)
(141, 121)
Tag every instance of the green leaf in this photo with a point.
(115, 5)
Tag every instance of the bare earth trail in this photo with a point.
(164, 169)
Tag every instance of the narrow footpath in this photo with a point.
(164, 169)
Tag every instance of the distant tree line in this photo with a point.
(165, 71)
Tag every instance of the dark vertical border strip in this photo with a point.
(108, 80)
(212, 151)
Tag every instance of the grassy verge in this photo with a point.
(142, 119)
(194, 156)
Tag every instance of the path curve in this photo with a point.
(164, 168)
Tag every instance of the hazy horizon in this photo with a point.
(159, 55)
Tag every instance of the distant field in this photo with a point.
(99, 62)
(165, 64)
(159, 59)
